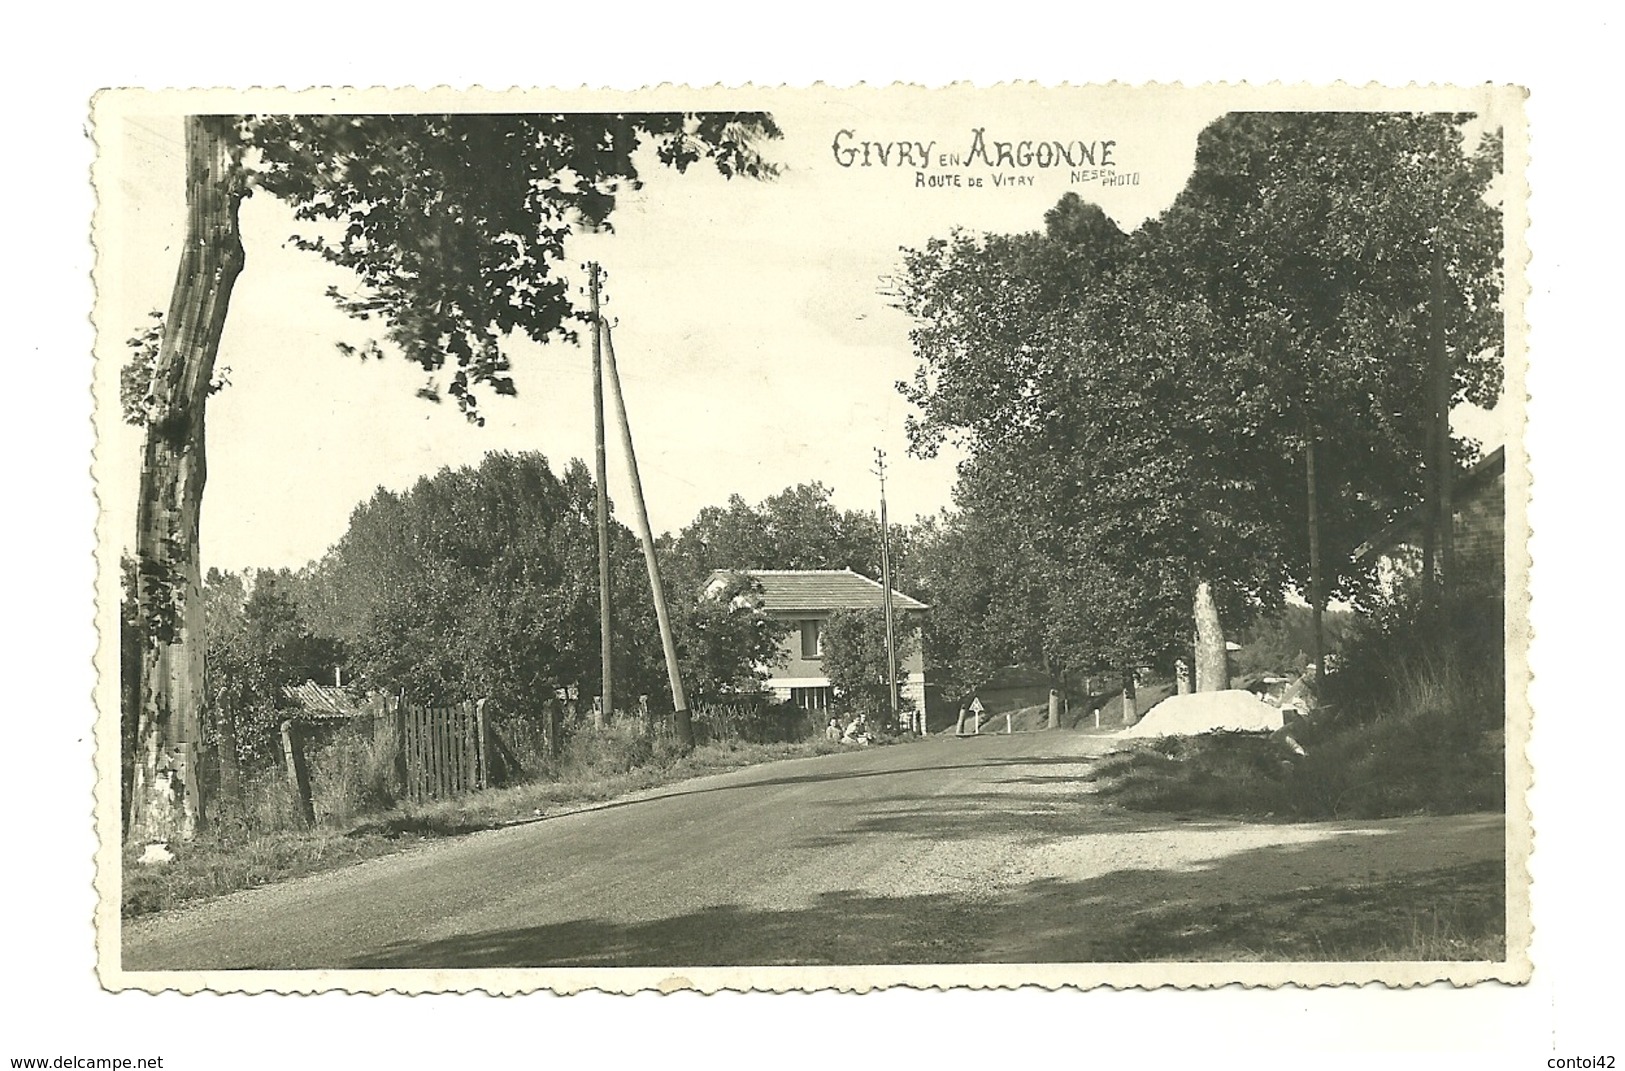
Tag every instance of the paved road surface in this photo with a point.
(976, 850)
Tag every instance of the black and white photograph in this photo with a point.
(812, 538)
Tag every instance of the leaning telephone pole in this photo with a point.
(606, 702)
(885, 580)
(684, 721)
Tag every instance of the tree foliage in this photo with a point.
(853, 644)
(482, 582)
(798, 528)
(1135, 407)
(1312, 238)
(259, 642)
(455, 225)
(726, 642)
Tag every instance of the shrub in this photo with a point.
(354, 772)
(619, 748)
(757, 720)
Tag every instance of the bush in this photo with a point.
(354, 772)
(1435, 744)
(757, 720)
(619, 748)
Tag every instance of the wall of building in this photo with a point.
(797, 667)
(1480, 538)
(801, 672)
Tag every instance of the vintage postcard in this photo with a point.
(789, 539)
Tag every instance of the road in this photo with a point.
(977, 850)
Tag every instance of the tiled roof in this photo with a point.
(824, 589)
(322, 701)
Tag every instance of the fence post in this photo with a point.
(483, 743)
(553, 726)
(400, 745)
(468, 743)
(298, 774)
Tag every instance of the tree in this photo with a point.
(454, 226)
(481, 582)
(854, 657)
(258, 643)
(1140, 411)
(1316, 238)
(726, 642)
(1024, 363)
(798, 528)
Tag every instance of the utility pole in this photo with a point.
(605, 613)
(1445, 462)
(684, 720)
(885, 581)
(1315, 601)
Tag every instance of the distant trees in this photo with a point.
(258, 643)
(1139, 410)
(797, 528)
(482, 581)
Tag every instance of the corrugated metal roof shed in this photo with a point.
(824, 589)
(322, 701)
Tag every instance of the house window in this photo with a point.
(811, 698)
(809, 639)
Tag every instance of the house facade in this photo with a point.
(807, 599)
(1478, 529)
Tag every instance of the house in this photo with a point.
(807, 598)
(1478, 525)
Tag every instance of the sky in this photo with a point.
(755, 347)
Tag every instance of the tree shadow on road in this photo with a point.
(741, 785)
(1279, 902)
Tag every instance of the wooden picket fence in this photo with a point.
(445, 751)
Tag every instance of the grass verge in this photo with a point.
(1464, 919)
(223, 861)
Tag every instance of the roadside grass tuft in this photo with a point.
(213, 865)
(1226, 773)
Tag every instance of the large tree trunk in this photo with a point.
(129, 709)
(1212, 661)
(166, 797)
